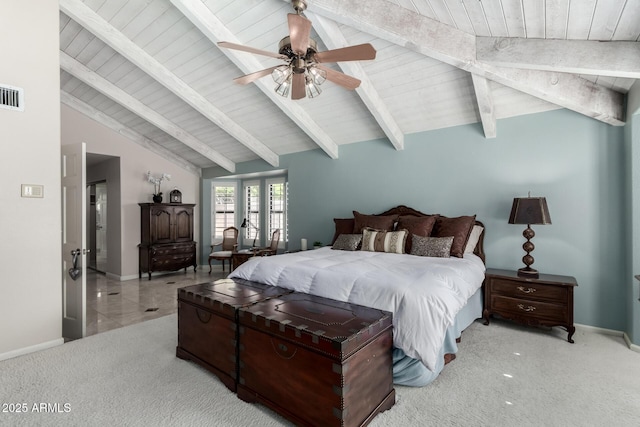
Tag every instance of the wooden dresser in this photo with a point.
(166, 237)
(547, 300)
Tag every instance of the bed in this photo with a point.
(432, 298)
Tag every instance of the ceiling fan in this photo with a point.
(303, 72)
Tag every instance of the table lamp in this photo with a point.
(529, 210)
(246, 223)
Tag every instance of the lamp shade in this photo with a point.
(529, 210)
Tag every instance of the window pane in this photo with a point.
(224, 208)
(277, 209)
(252, 203)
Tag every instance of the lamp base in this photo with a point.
(529, 272)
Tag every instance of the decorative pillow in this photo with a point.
(459, 227)
(383, 241)
(474, 238)
(347, 242)
(376, 222)
(343, 226)
(432, 246)
(418, 225)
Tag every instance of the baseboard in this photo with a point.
(631, 345)
(613, 332)
(597, 330)
(31, 349)
(114, 276)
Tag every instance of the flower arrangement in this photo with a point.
(156, 181)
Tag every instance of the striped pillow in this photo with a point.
(383, 241)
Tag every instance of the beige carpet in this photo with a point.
(505, 375)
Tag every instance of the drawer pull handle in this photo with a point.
(283, 351)
(200, 317)
(527, 308)
(527, 290)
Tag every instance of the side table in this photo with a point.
(240, 257)
(547, 300)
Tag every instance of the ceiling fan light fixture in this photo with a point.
(281, 74)
(311, 88)
(317, 75)
(284, 88)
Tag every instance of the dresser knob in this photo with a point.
(527, 308)
(527, 290)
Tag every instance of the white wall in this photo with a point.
(135, 161)
(31, 286)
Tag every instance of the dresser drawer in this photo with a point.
(172, 249)
(529, 311)
(530, 291)
(173, 262)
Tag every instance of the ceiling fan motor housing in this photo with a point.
(299, 5)
(284, 48)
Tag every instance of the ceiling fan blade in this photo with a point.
(246, 79)
(298, 90)
(235, 46)
(339, 78)
(359, 52)
(299, 30)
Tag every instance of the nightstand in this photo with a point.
(547, 300)
(240, 257)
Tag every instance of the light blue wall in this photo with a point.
(574, 161)
(632, 206)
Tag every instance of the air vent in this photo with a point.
(11, 98)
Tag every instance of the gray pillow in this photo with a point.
(431, 246)
(347, 242)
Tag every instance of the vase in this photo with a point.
(157, 198)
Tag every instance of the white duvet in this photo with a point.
(424, 294)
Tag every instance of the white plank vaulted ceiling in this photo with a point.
(151, 70)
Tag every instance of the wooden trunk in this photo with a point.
(316, 361)
(207, 323)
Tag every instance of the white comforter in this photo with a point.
(424, 294)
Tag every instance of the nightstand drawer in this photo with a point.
(534, 311)
(532, 291)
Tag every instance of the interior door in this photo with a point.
(74, 254)
(101, 227)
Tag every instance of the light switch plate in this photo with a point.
(32, 190)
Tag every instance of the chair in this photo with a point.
(229, 243)
(273, 248)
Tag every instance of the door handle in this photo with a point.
(74, 272)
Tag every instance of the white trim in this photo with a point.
(212, 225)
(283, 233)
(613, 332)
(598, 330)
(31, 349)
(245, 184)
(631, 345)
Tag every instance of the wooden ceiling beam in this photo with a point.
(333, 38)
(611, 58)
(91, 21)
(105, 120)
(82, 73)
(202, 18)
(485, 105)
(455, 47)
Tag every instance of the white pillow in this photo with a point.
(474, 238)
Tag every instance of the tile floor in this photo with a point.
(113, 304)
